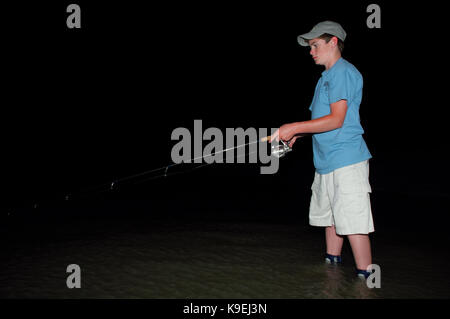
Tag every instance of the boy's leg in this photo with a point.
(352, 210)
(334, 241)
(361, 250)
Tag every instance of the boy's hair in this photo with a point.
(327, 37)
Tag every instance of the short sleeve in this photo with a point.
(342, 86)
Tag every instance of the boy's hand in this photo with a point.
(292, 141)
(285, 133)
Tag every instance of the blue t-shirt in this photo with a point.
(343, 146)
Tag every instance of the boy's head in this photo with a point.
(325, 39)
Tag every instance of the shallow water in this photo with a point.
(206, 259)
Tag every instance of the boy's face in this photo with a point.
(321, 51)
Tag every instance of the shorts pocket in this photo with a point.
(352, 179)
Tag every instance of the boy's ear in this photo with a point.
(335, 40)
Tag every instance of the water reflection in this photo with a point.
(340, 282)
(334, 281)
(359, 289)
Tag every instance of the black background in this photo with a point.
(84, 107)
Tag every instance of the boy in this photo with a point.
(340, 199)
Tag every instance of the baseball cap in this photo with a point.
(329, 27)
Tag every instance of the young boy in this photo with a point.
(340, 199)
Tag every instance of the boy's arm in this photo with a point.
(326, 123)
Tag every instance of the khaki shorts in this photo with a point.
(342, 198)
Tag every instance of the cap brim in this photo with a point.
(304, 38)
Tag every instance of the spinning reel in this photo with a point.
(281, 150)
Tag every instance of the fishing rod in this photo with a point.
(278, 150)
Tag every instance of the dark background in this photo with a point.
(84, 107)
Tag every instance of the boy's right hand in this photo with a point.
(292, 141)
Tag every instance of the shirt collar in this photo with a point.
(326, 72)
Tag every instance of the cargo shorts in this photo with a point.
(342, 198)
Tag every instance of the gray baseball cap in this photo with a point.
(329, 27)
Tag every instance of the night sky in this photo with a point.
(84, 107)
